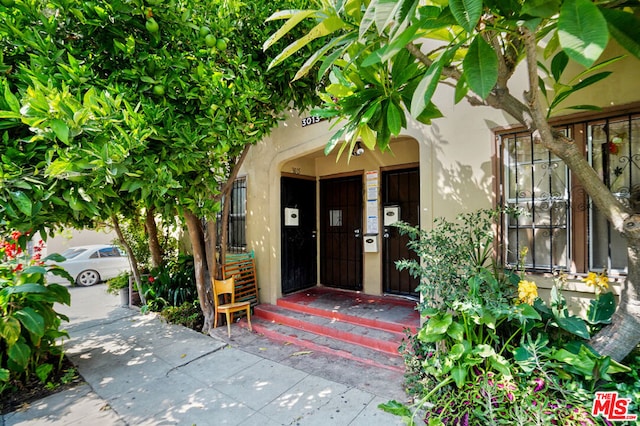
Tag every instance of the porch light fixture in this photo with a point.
(358, 150)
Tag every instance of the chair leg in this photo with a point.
(249, 317)
(216, 314)
(228, 325)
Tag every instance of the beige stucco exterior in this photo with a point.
(455, 156)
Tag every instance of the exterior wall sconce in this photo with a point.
(358, 150)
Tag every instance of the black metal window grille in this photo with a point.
(536, 184)
(237, 226)
(614, 152)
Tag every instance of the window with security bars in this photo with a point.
(558, 227)
(237, 218)
(537, 187)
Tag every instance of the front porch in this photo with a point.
(364, 328)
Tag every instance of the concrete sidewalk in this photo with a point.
(142, 371)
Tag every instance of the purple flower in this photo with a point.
(539, 384)
(465, 420)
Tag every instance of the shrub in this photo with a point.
(29, 326)
(490, 351)
(172, 285)
(187, 314)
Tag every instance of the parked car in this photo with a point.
(89, 265)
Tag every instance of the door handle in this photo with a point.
(356, 233)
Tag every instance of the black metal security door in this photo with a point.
(299, 249)
(400, 194)
(341, 232)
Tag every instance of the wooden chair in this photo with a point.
(224, 287)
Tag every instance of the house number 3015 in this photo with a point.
(307, 121)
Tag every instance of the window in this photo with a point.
(237, 218)
(558, 225)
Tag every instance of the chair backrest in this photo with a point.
(221, 287)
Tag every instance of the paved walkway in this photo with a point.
(142, 371)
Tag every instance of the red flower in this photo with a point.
(151, 279)
(18, 268)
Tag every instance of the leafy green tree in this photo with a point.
(130, 101)
(387, 58)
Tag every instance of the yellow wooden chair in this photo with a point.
(224, 287)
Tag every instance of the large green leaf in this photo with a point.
(541, 8)
(10, 329)
(326, 27)
(426, 88)
(394, 120)
(295, 18)
(625, 29)
(19, 353)
(61, 130)
(601, 309)
(4, 375)
(582, 31)
(22, 202)
(574, 325)
(481, 67)
(466, 12)
(31, 320)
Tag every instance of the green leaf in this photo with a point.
(384, 13)
(456, 331)
(481, 67)
(22, 202)
(396, 408)
(4, 375)
(540, 8)
(295, 19)
(466, 12)
(31, 320)
(574, 325)
(10, 329)
(625, 29)
(11, 99)
(601, 309)
(438, 324)
(61, 130)
(558, 64)
(426, 88)
(582, 31)
(368, 136)
(394, 120)
(326, 27)
(459, 375)
(19, 353)
(483, 350)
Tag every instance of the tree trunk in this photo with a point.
(199, 262)
(132, 258)
(210, 238)
(154, 242)
(619, 338)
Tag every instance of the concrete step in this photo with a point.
(280, 329)
(323, 325)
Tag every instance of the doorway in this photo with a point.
(298, 239)
(341, 232)
(400, 197)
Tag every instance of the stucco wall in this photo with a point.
(455, 155)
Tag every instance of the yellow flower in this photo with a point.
(599, 282)
(527, 291)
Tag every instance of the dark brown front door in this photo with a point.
(400, 193)
(341, 232)
(298, 242)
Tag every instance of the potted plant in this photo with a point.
(120, 285)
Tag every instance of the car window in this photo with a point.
(70, 253)
(109, 252)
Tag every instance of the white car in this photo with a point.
(89, 265)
